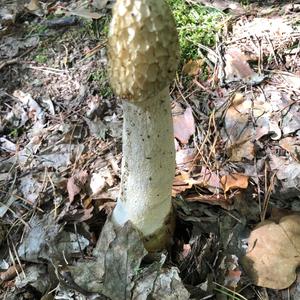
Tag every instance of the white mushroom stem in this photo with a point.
(143, 53)
(148, 164)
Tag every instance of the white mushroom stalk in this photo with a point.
(143, 58)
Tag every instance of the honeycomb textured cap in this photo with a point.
(143, 48)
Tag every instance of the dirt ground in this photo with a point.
(236, 119)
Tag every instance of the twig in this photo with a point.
(16, 59)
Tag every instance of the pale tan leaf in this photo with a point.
(274, 253)
(184, 125)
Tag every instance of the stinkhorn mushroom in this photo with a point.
(143, 57)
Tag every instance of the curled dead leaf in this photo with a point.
(234, 181)
(75, 183)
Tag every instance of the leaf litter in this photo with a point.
(237, 143)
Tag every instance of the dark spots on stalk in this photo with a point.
(157, 195)
(148, 136)
(150, 178)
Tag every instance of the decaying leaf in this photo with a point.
(184, 125)
(181, 183)
(11, 272)
(205, 178)
(185, 158)
(291, 144)
(75, 184)
(34, 276)
(34, 6)
(273, 253)
(99, 4)
(233, 7)
(234, 181)
(240, 151)
(192, 67)
(239, 132)
(215, 199)
(237, 68)
(85, 13)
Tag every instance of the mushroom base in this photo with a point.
(162, 238)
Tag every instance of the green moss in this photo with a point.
(41, 58)
(196, 25)
(96, 28)
(100, 76)
(36, 29)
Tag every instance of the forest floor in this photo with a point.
(236, 116)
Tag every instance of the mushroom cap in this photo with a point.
(143, 48)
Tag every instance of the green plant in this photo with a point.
(100, 76)
(16, 132)
(196, 25)
(41, 58)
(96, 28)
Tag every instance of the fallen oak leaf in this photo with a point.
(75, 184)
(234, 181)
(274, 253)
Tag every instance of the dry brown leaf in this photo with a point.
(237, 67)
(238, 99)
(107, 207)
(236, 123)
(185, 159)
(11, 272)
(85, 13)
(278, 213)
(184, 125)
(240, 151)
(274, 253)
(186, 180)
(181, 183)
(239, 133)
(234, 181)
(192, 67)
(33, 5)
(209, 179)
(75, 184)
(215, 199)
(291, 145)
(231, 6)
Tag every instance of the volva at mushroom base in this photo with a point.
(143, 58)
